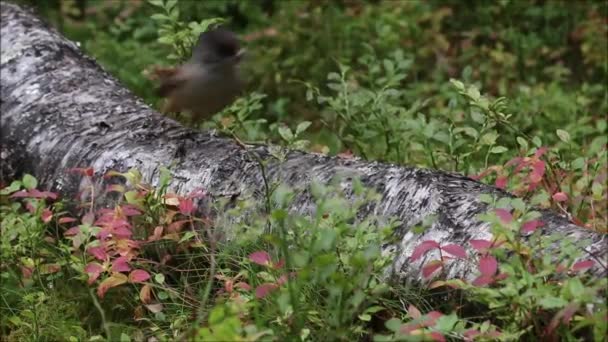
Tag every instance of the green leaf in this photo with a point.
(473, 93)
(577, 164)
(187, 236)
(393, 324)
(446, 323)
(285, 133)
(478, 116)
(518, 204)
(365, 317)
(159, 278)
(302, 126)
(489, 138)
(522, 142)
(15, 186)
(457, 84)
(550, 302)
(159, 17)
(158, 3)
(29, 182)
(498, 149)
(563, 135)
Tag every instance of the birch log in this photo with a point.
(61, 110)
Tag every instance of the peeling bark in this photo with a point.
(61, 110)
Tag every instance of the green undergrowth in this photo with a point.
(511, 93)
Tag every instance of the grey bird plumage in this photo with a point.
(209, 81)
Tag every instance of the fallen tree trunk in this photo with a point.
(60, 110)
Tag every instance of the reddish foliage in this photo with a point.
(138, 276)
(483, 280)
(531, 226)
(436, 336)
(66, 220)
(413, 312)
(504, 215)
(583, 265)
(121, 264)
(424, 247)
(431, 267)
(186, 206)
(265, 289)
(87, 172)
(455, 250)
(260, 258)
(501, 182)
(98, 252)
(46, 215)
(94, 270)
(34, 193)
(488, 265)
(481, 245)
(560, 197)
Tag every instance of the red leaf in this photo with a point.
(98, 252)
(121, 265)
(431, 267)
(539, 152)
(424, 247)
(265, 289)
(145, 294)
(480, 245)
(531, 226)
(130, 210)
(279, 264)
(197, 193)
(115, 280)
(455, 250)
(34, 193)
(501, 182)
(488, 265)
(583, 265)
(116, 188)
(437, 336)
(93, 269)
(89, 171)
(26, 272)
(282, 280)
(66, 220)
(538, 171)
(260, 258)
(413, 312)
(559, 197)
(138, 276)
(88, 218)
(568, 312)
(72, 231)
(406, 329)
(469, 334)
(158, 233)
(176, 226)
(243, 286)
(186, 206)
(504, 215)
(482, 280)
(501, 276)
(431, 318)
(47, 215)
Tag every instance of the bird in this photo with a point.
(209, 81)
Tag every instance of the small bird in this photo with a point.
(209, 81)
